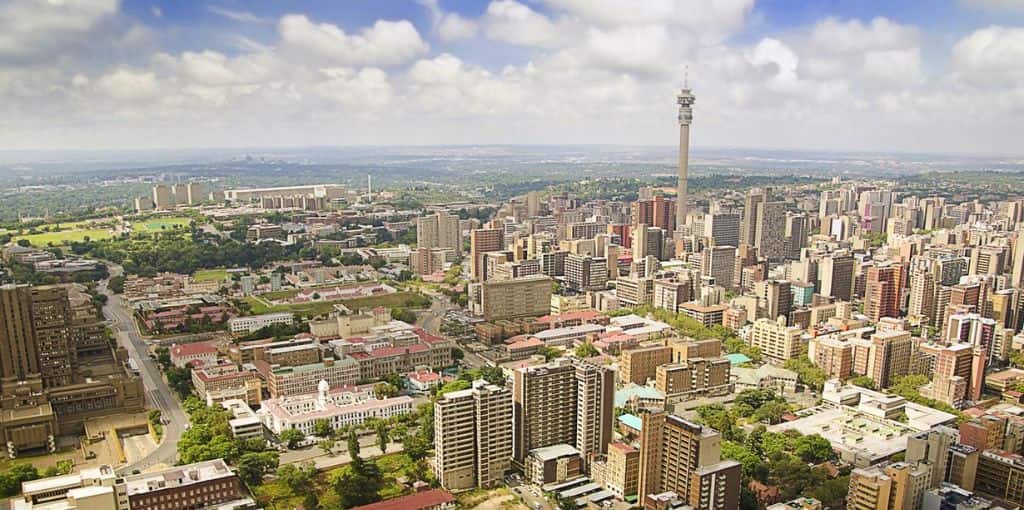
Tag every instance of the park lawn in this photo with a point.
(159, 224)
(205, 275)
(65, 236)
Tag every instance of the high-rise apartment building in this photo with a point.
(657, 211)
(648, 242)
(473, 436)
(685, 458)
(882, 290)
(764, 225)
(777, 341)
(440, 230)
(637, 366)
(889, 357)
(563, 402)
(163, 197)
(777, 297)
(481, 241)
(897, 486)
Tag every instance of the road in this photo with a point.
(158, 393)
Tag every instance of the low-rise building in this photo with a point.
(434, 499)
(195, 354)
(216, 383)
(341, 407)
(245, 424)
(200, 485)
(253, 323)
(298, 380)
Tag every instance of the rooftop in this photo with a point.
(553, 452)
(177, 476)
(417, 501)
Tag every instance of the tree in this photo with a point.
(322, 428)
(864, 382)
(384, 390)
(548, 352)
(404, 315)
(771, 412)
(252, 467)
(291, 438)
(297, 478)
(806, 372)
(493, 375)
(814, 449)
(326, 445)
(353, 444)
(357, 483)
(586, 350)
(382, 436)
(416, 446)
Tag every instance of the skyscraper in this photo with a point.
(482, 241)
(439, 230)
(563, 402)
(685, 101)
(473, 436)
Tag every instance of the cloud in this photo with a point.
(854, 36)
(37, 29)
(450, 26)
(515, 23)
(366, 90)
(993, 55)
(128, 85)
(236, 15)
(385, 43)
(995, 5)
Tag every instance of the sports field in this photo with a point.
(158, 224)
(205, 275)
(65, 236)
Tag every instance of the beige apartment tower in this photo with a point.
(473, 436)
(440, 230)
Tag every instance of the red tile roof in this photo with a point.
(385, 352)
(192, 349)
(417, 501)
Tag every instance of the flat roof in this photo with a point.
(553, 452)
(632, 421)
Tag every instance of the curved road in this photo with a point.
(158, 394)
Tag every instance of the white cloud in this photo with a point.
(516, 23)
(995, 5)
(453, 27)
(236, 15)
(128, 85)
(992, 55)
(385, 43)
(365, 90)
(36, 28)
(854, 36)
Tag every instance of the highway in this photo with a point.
(158, 394)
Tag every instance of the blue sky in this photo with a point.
(815, 74)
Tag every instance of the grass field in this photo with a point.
(158, 224)
(402, 299)
(206, 275)
(65, 236)
(290, 293)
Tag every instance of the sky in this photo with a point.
(943, 76)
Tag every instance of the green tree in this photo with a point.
(382, 436)
(586, 350)
(353, 444)
(806, 372)
(322, 428)
(864, 382)
(357, 483)
(252, 467)
(813, 449)
(384, 390)
(549, 352)
(771, 412)
(291, 438)
(298, 478)
(326, 445)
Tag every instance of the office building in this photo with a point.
(200, 485)
(777, 298)
(473, 436)
(529, 296)
(723, 228)
(585, 273)
(343, 406)
(655, 212)
(719, 262)
(835, 274)
(482, 241)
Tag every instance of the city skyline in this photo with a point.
(104, 74)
